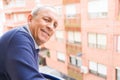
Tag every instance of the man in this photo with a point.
(19, 47)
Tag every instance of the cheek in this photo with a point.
(38, 32)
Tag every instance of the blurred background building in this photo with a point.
(86, 45)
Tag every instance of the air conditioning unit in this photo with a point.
(84, 69)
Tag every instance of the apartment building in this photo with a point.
(86, 43)
(100, 39)
(16, 12)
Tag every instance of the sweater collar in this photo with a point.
(29, 32)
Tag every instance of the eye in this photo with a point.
(55, 24)
(47, 19)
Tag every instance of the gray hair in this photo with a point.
(35, 11)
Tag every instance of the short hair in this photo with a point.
(35, 10)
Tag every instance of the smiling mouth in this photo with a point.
(45, 32)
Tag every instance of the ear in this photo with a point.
(29, 19)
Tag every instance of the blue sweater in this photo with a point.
(18, 56)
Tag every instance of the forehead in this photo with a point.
(48, 13)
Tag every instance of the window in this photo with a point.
(61, 56)
(101, 41)
(70, 37)
(93, 67)
(97, 40)
(102, 70)
(97, 8)
(118, 44)
(59, 10)
(2, 16)
(70, 11)
(118, 74)
(59, 35)
(79, 62)
(19, 17)
(20, 3)
(74, 37)
(119, 8)
(1, 4)
(72, 60)
(92, 40)
(37, 2)
(76, 61)
(77, 37)
(98, 69)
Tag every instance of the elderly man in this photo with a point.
(19, 47)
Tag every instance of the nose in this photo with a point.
(51, 27)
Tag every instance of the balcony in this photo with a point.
(52, 74)
(72, 22)
(70, 1)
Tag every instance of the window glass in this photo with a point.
(102, 70)
(93, 66)
(70, 37)
(92, 40)
(70, 11)
(72, 60)
(101, 41)
(118, 44)
(59, 10)
(97, 8)
(61, 56)
(79, 62)
(77, 36)
(20, 3)
(118, 74)
(59, 34)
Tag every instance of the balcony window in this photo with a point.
(79, 62)
(77, 37)
(74, 37)
(76, 61)
(97, 40)
(73, 60)
(97, 8)
(70, 37)
(70, 11)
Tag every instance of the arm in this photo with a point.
(20, 61)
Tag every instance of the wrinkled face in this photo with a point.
(43, 25)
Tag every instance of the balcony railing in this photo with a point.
(51, 77)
